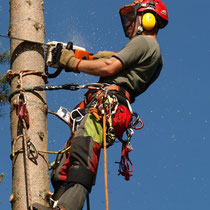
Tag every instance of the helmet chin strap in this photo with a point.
(140, 29)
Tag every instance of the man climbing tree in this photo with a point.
(123, 76)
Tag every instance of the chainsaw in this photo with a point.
(79, 52)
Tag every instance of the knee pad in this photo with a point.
(81, 175)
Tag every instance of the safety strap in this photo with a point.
(116, 88)
(125, 162)
(120, 90)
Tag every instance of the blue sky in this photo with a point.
(171, 153)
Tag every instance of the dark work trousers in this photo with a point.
(75, 177)
(73, 198)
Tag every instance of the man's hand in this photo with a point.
(68, 60)
(103, 54)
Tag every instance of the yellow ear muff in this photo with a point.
(148, 21)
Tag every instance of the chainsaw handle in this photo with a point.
(69, 46)
(55, 74)
(59, 69)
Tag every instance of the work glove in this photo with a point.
(68, 61)
(53, 54)
(103, 54)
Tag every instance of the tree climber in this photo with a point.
(125, 75)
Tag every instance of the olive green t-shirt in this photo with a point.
(143, 62)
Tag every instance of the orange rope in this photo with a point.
(105, 161)
(94, 112)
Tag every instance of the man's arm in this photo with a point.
(101, 67)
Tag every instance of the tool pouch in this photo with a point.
(121, 120)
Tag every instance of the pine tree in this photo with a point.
(4, 90)
(4, 87)
(4, 57)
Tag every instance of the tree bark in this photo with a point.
(30, 175)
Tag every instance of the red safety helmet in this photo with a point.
(158, 7)
(129, 12)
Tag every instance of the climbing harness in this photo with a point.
(76, 116)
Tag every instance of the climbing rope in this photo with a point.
(105, 161)
(100, 112)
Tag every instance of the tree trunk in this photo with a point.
(30, 173)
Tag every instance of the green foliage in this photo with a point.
(4, 57)
(4, 87)
(1, 177)
(4, 90)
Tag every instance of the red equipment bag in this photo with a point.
(121, 121)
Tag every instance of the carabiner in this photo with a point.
(32, 151)
(134, 123)
(75, 114)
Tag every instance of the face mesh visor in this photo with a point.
(128, 16)
(128, 13)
